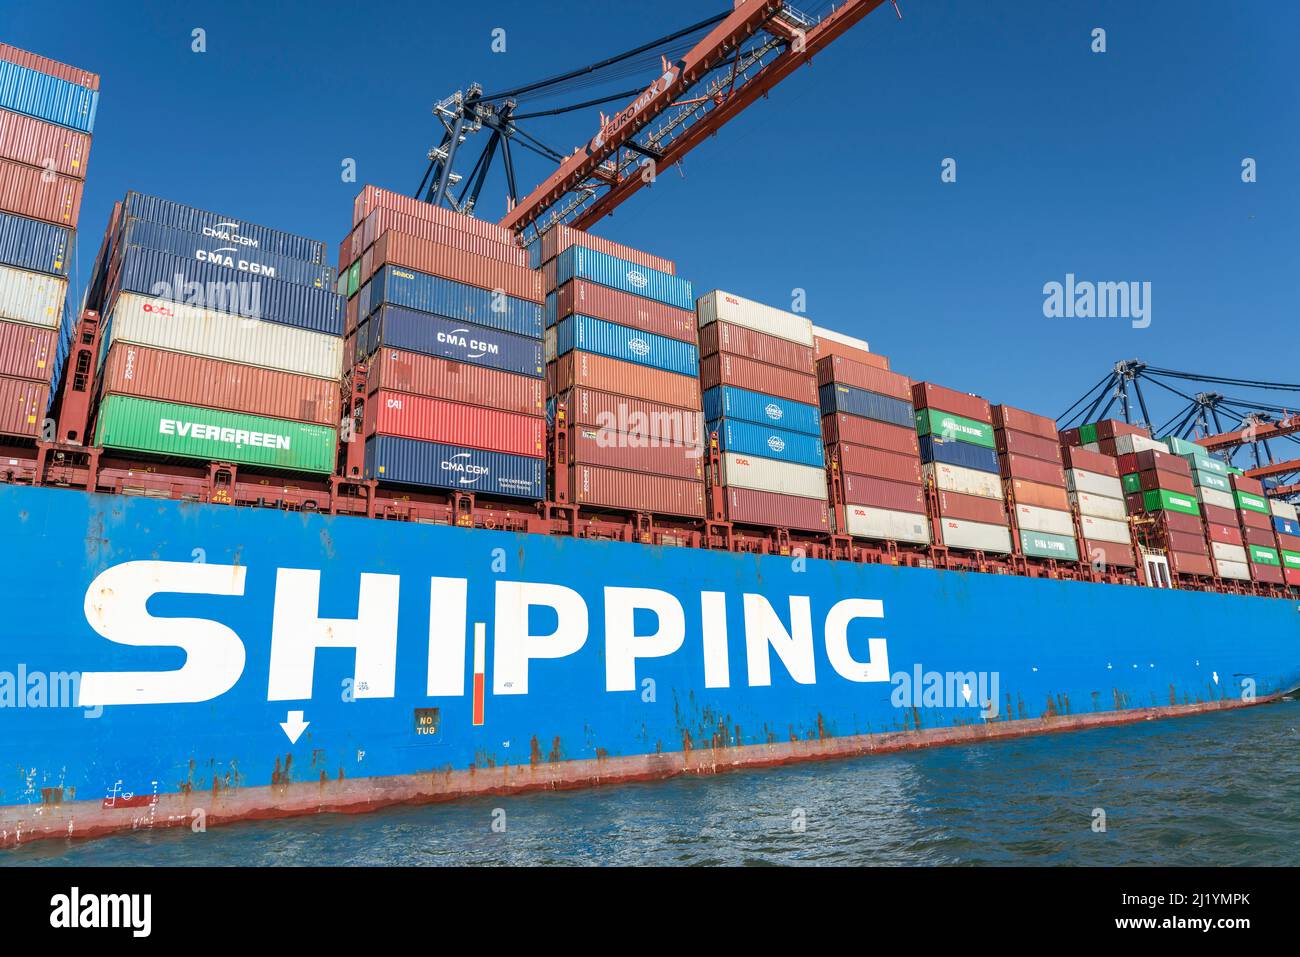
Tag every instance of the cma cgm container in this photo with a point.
(451, 300)
(245, 236)
(188, 244)
(455, 467)
(396, 327)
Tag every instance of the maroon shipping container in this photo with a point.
(606, 410)
(1227, 534)
(758, 376)
(1033, 470)
(29, 191)
(383, 220)
(1153, 479)
(26, 352)
(34, 142)
(437, 420)
(1112, 553)
(972, 508)
(848, 372)
(736, 340)
(416, 374)
(1070, 438)
(1219, 515)
(559, 238)
(882, 493)
(212, 384)
(750, 507)
(1076, 458)
(1269, 574)
(591, 445)
(603, 374)
(40, 64)
(1263, 537)
(1251, 519)
(350, 322)
(927, 395)
(1188, 542)
(636, 491)
(1290, 543)
(373, 197)
(1178, 522)
(1038, 495)
(601, 302)
(1017, 420)
(874, 463)
(1022, 443)
(1183, 563)
(842, 427)
(22, 406)
(1113, 428)
(1154, 459)
(449, 262)
(1244, 484)
(831, 347)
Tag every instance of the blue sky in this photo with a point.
(1118, 166)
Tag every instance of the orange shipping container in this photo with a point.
(384, 220)
(829, 347)
(41, 64)
(438, 378)
(730, 338)
(725, 369)
(591, 371)
(636, 491)
(449, 262)
(28, 191)
(1039, 495)
(25, 139)
(22, 406)
(846, 371)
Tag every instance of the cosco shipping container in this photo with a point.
(623, 342)
(736, 403)
(47, 97)
(579, 263)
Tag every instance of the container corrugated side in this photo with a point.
(750, 438)
(451, 262)
(1035, 519)
(210, 383)
(954, 478)
(579, 263)
(1100, 506)
(880, 381)
(220, 252)
(395, 327)
(47, 97)
(972, 508)
(1284, 510)
(883, 493)
(723, 306)
(725, 369)
(166, 428)
(956, 427)
(26, 351)
(1104, 530)
(975, 536)
(1237, 571)
(874, 463)
(240, 233)
(747, 506)
(560, 237)
(773, 350)
(452, 300)
(623, 342)
(769, 475)
(649, 421)
(1228, 552)
(1083, 480)
(736, 403)
(453, 423)
(202, 332)
(1022, 443)
(852, 343)
(1228, 534)
(383, 220)
(617, 488)
(884, 525)
(439, 378)
(1119, 554)
(31, 297)
(1076, 458)
(591, 371)
(836, 397)
(435, 465)
(22, 406)
(34, 142)
(372, 198)
(1044, 496)
(1049, 545)
(592, 299)
(842, 427)
(927, 395)
(1031, 469)
(1285, 526)
(40, 194)
(953, 452)
(1029, 423)
(42, 64)
(31, 244)
(609, 448)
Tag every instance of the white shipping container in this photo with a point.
(769, 475)
(1100, 506)
(1094, 483)
(1105, 530)
(976, 536)
(145, 321)
(719, 305)
(1092, 447)
(1227, 552)
(1031, 518)
(886, 525)
(1283, 509)
(954, 478)
(841, 338)
(31, 297)
(1212, 496)
(1128, 444)
(1236, 570)
(550, 344)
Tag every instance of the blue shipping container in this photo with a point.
(729, 401)
(1286, 526)
(432, 464)
(247, 236)
(47, 97)
(160, 274)
(195, 245)
(623, 342)
(394, 327)
(955, 452)
(30, 244)
(748, 438)
(452, 300)
(577, 262)
(837, 397)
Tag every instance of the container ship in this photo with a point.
(435, 513)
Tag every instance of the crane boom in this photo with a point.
(1259, 433)
(1275, 468)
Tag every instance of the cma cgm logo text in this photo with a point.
(229, 232)
(469, 473)
(116, 608)
(464, 339)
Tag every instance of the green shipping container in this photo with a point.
(1043, 545)
(1132, 483)
(1233, 470)
(1264, 556)
(164, 428)
(1088, 434)
(1210, 480)
(1158, 500)
(954, 427)
(1207, 463)
(1252, 503)
(1182, 446)
(354, 278)
(1291, 559)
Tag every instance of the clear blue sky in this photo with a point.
(1115, 167)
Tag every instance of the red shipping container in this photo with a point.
(1038, 495)
(638, 417)
(40, 64)
(26, 352)
(830, 347)
(601, 302)
(1181, 563)
(1022, 443)
(1263, 537)
(452, 263)
(372, 197)
(1112, 553)
(590, 445)
(350, 317)
(587, 370)
(33, 142)
(927, 395)
(417, 374)
(1113, 428)
(27, 191)
(1017, 420)
(212, 384)
(972, 508)
(1188, 542)
(1154, 459)
(1227, 534)
(771, 510)
(559, 238)
(880, 381)
(1179, 522)
(1219, 515)
(22, 406)
(1034, 470)
(436, 420)
(1290, 543)
(1292, 576)
(1269, 574)
(1244, 484)
(873, 463)
(736, 340)
(636, 491)
(1251, 519)
(1070, 438)
(1153, 479)
(383, 220)
(758, 376)
(882, 493)
(1076, 458)
(842, 427)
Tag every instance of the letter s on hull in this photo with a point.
(115, 608)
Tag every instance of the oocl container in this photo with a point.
(769, 475)
(439, 378)
(975, 536)
(885, 525)
(728, 307)
(454, 423)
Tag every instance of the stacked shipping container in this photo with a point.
(1097, 498)
(1210, 483)
(1029, 455)
(1158, 486)
(1286, 526)
(1257, 529)
(760, 402)
(47, 111)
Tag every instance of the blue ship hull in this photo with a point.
(167, 663)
